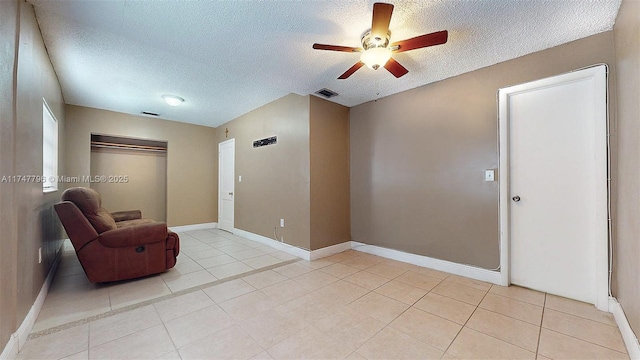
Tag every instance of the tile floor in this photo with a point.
(351, 305)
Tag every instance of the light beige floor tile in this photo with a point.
(233, 248)
(292, 270)
(264, 279)
(231, 343)
(511, 307)
(386, 271)
(519, 293)
(379, 307)
(554, 345)
(78, 307)
(428, 328)
(460, 292)
(577, 308)
(470, 344)
(339, 270)
(351, 327)
(57, 345)
(399, 264)
(340, 292)
(355, 356)
(431, 272)
(584, 329)
(248, 305)
(204, 253)
(445, 307)
(200, 234)
(229, 270)
(174, 355)
(262, 356)
(271, 327)
(182, 268)
(73, 288)
(540, 357)
(309, 343)
(69, 270)
(287, 290)
(198, 324)
(393, 344)
(136, 291)
(145, 344)
(360, 262)
(181, 305)
(189, 280)
(402, 292)
(421, 281)
(513, 331)
(342, 256)
(283, 256)
(317, 264)
(216, 261)
(314, 280)
(262, 261)
(113, 327)
(228, 290)
(246, 254)
(367, 280)
(480, 285)
(83, 355)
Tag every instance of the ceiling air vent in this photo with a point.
(327, 93)
(149, 113)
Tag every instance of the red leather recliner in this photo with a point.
(116, 246)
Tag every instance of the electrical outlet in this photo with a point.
(282, 238)
(282, 223)
(40, 255)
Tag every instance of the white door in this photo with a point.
(226, 184)
(556, 189)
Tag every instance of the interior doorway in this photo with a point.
(226, 184)
(553, 197)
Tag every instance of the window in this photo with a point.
(49, 149)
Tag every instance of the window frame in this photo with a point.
(49, 149)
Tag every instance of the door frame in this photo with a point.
(599, 73)
(220, 145)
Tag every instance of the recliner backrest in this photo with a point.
(90, 204)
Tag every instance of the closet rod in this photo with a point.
(107, 145)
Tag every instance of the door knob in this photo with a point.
(516, 198)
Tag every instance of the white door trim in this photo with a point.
(599, 73)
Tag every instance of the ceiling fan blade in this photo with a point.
(351, 70)
(422, 41)
(335, 48)
(395, 68)
(381, 18)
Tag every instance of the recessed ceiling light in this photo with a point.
(173, 100)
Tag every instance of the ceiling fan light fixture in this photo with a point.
(173, 100)
(375, 57)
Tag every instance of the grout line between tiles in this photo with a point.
(544, 306)
(112, 312)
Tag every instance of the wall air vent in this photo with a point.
(149, 113)
(327, 93)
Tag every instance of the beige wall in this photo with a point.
(191, 157)
(418, 157)
(627, 223)
(28, 221)
(329, 169)
(145, 188)
(275, 178)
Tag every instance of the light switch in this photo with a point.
(489, 175)
(239, 178)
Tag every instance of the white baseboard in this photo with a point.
(432, 263)
(19, 338)
(330, 250)
(289, 249)
(202, 226)
(630, 339)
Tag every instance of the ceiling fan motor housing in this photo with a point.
(371, 43)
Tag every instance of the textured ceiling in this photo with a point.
(226, 58)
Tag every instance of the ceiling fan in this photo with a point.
(376, 50)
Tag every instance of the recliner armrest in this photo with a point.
(126, 215)
(134, 235)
